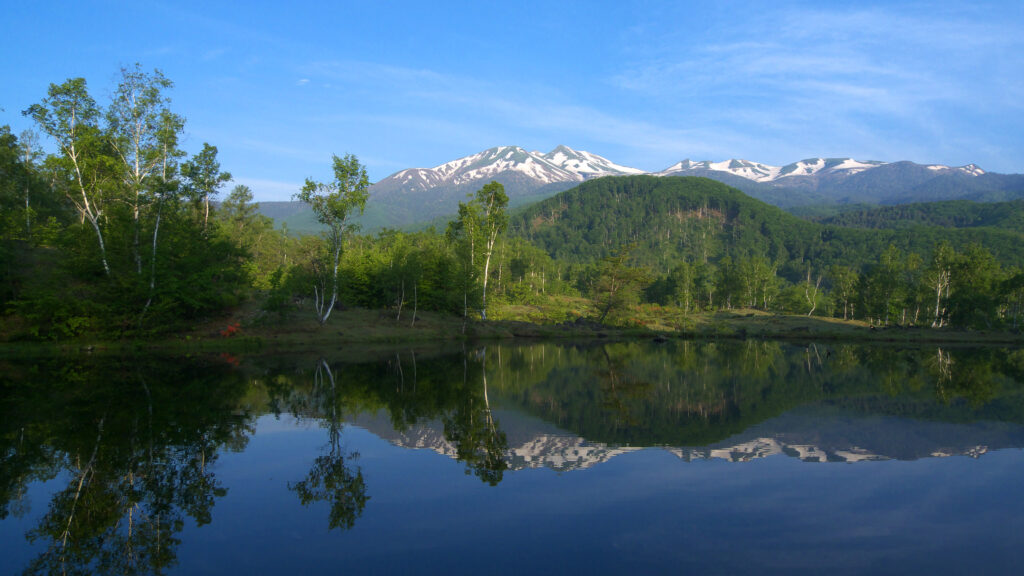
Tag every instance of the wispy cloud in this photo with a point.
(271, 148)
(459, 108)
(884, 81)
(214, 54)
(780, 85)
(270, 190)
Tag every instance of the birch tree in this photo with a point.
(137, 128)
(493, 201)
(30, 152)
(844, 284)
(480, 222)
(811, 291)
(70, 117)
(170, 126)
(334, 204)
(463, 233)
(939, 277)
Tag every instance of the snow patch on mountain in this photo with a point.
(563, 164)
(586, 165)
(759, 172)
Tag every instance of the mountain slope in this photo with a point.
(698, 219)
(949, 214)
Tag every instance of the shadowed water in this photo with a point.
(737, 457)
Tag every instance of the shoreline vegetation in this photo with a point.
(249, 330)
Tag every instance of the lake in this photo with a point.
(604, 457)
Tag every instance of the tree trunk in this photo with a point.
(401, 301)
(334, 285)
(152, 268)
(87, 211)
(415, 303)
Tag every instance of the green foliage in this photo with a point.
(114, 249)
(474, 233)
(948, 214)
(203, 178)
(618, 284)
(334, 205)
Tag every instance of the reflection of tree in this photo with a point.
(331, 478)
(621, 391)
(136, 459)
(471, 427)
(970, 376)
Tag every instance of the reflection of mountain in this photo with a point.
(536, 446)
(818, 433)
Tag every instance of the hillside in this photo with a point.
(698, 219)
(948, 214)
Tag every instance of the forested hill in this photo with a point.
(950, 214)
(701, 220)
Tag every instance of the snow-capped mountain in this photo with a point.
(743, 168)
(563, 164)
(490, 163)
(533, 170)
(418, 194)
(817, 167)
(421, 194)
(586, 165)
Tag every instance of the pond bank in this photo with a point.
(375, 327)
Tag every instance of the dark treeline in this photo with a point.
(118, 232)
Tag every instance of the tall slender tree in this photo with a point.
(334, 204)
(30, 152)
(477, 228)
(70, 116)
(493, 201)
(138, 132)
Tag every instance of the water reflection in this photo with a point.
(332, 478)
(132, 453)
(133, 443)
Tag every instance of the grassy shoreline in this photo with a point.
(247, 332)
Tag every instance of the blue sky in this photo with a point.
(278, 87)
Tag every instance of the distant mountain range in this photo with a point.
(422, 194)
(419, 193)
(811, 434)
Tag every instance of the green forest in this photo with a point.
(118, 233)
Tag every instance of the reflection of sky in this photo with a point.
(643, 511)
(14, 550)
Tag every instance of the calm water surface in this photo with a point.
(714, 458)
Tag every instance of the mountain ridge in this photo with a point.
(427, 193)
(418, 195)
